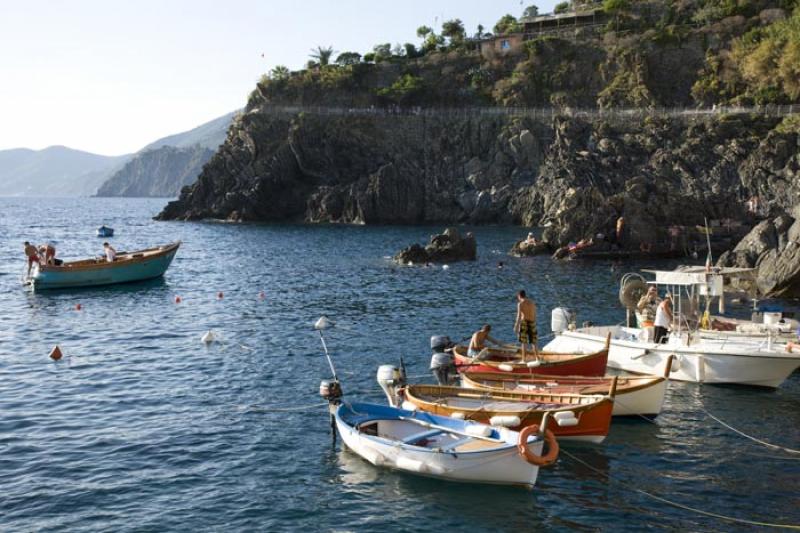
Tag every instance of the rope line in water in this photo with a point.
(743, 434)
(680, 505)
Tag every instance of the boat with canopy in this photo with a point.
(697, 357)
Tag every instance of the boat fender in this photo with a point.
(509, 421)
(408, 406)
(373, 456)
(458, 415)
(506, 367)
(478, 430)
(526, 453)
(533, 364)
(404, 463)
(676, 363)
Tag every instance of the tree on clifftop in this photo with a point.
(507, 24)
(322, 55)
(531, 11)
(454, 30)
(279, 73)
(348, 58)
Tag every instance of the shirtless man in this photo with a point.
(32, 255)
(479, 340)
(525, 324)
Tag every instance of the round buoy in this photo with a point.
(177, 299)
(220, 296)
(55, 353)
(445, 267)
(262, 295)
(78, 307)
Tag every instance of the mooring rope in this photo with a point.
(754, 439)
(680, 505)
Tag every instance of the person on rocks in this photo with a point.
(531, 240)
(111, 253)
(32, 254)
(620, 230)
(646, 307)
(663, 319)
(525, 324)
(479, 339)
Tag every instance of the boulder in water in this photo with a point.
(446, 247)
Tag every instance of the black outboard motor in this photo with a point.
(442, 363)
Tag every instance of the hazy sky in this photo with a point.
(110, 76)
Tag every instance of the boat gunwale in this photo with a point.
(523, 413)
(651, 379)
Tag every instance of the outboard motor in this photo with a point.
(442, 363)
(391, 379)
(561, 319)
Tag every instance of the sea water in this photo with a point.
(142, 427)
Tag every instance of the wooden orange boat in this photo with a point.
(498, 360)
(635, 395)
(517, 410)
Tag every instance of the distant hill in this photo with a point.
(164, 167)
(208, 135)
(160, 172)
(62, 171)
(54, 171)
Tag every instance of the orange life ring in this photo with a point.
(538, 460)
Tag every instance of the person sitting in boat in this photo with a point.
(32, 254)
(479, 339)
(663, 319)
(47, 254)
(646, 307)
(525, 323)
(111, 253)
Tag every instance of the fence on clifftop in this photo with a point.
(547, 113)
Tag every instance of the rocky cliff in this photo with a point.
(161, 172)
(382, 149)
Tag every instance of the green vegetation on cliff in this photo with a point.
(647, 53)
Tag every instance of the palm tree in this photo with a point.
(322, 55)
(279, 73)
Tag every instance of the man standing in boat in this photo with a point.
(525, 324)
(647, 306)
(111, 253)
(663, 319)
(32, 255)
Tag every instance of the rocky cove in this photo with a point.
(454, 137)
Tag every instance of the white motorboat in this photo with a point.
(758, 360)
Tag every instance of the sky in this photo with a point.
(110, 77)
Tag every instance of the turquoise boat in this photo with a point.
(127, 267)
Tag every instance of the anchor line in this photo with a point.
(754, 439)
(680, 505)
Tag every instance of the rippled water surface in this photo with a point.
(143, 428)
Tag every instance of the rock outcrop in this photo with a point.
(773, 247)
(446, 247)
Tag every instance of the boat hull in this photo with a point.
(646, 399)
(714, 363)
(502, 466)
(102, 273)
